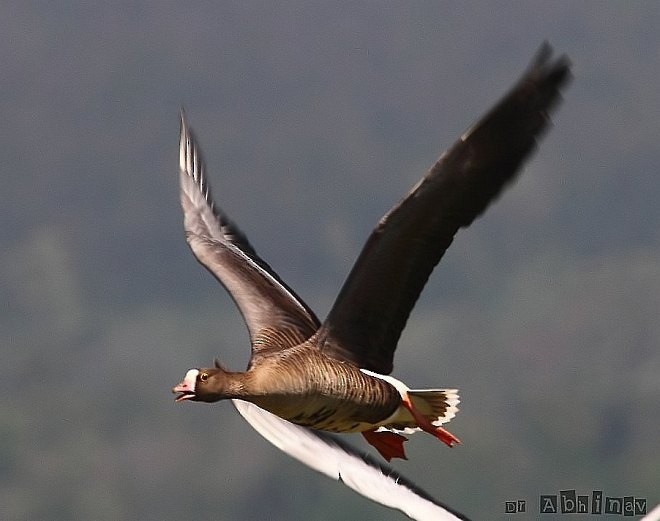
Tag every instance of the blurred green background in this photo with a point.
(315, 118)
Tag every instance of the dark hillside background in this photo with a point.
(315, 118)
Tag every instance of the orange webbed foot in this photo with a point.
(388, 444)
(423, 423)
(445, 436)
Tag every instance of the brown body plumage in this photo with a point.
(316, 391)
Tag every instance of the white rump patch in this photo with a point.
(402, 415)
(398, 384)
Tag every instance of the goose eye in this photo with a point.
(203, 377)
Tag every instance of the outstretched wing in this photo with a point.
(340, 461)
(372, 308)
(274, 314)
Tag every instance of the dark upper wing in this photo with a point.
(274, 314)
(372, 308)
(340, 461)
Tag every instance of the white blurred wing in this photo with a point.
(340, 461)
(653, 515)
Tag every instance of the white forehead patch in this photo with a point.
(191, 379)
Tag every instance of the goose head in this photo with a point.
(207, 385)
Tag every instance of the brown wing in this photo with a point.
(372, 308)
(274, 314)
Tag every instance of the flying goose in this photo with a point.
(305, 376)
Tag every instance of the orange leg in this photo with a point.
(388, 444)
(424, 424)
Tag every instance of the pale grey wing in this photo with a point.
(340, 461)
(373, 306)
(274, 314)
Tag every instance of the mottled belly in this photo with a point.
(331, 417)
(326, 413)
